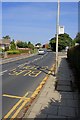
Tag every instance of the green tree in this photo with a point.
(77, 38)
(63, 41)
(30, 45)
(38, 44)
(25, 45)
(13, 46)
(20, 44)
(6, 37)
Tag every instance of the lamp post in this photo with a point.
(57, 33)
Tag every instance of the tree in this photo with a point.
(13, 46)
(39, 44)
(25, 45)
(77, 38)
(6, 37)
(63, 41)
(22, 44)
(30, 45)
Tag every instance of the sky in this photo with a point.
(36, 21)
(39, 0)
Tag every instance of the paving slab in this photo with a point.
(67, 111)
(66, 95)
(63, 88)
(64, 82)
(61, 102)
(50, 110)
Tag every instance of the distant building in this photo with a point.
(37, 46)
(46, 46)
(17, 41)
(5, 43)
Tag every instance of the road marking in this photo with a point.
(21, 71)
(19, 109)
(37, 73)
(21, 65)
(27, 99)
(13, 69)
(15, 106)
(1, 73)
(11, 96)
(27, 73)
(34, 73)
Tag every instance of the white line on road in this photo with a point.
(1, 73)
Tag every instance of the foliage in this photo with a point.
(30, 45)
(25, 45)
(38, 44)
(73, 55)
(13, 46)
(22, 44)
(77, 38)
(13, 52)
(24, 51)
(6, 37)
(63, 41)
(6, 49)
(1, 49)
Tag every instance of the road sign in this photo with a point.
(61, 29)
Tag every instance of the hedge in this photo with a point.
(73, 56)
(13, 52)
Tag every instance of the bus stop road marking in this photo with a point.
(11, 96)
(15, 106)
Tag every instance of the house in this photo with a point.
(38, 45)
(46, 46)
(5, 43)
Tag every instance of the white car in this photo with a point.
(41, 52)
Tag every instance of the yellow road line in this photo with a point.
(15, 106)
(27, 73)
(32, 97)
(20, 108)
(27, 99)
(23, 104)
(11, 96)
(18, 73)
(37, 73)
(13, 69)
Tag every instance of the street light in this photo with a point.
(57, 33)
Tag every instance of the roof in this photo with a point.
(5, 41)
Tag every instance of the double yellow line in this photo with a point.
(16, 105)
(26, 100)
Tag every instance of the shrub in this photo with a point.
(13, 52)
(24, 51)
(73, 55)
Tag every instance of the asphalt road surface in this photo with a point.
(22, 76)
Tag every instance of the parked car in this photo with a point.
(41, 52)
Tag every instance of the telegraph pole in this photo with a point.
(57, 33)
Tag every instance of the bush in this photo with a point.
(24, 51)
(73, 55)
(13, 52)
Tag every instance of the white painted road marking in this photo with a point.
(1, 73)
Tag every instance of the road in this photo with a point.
(23, 76)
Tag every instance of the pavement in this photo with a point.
(58, 98)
